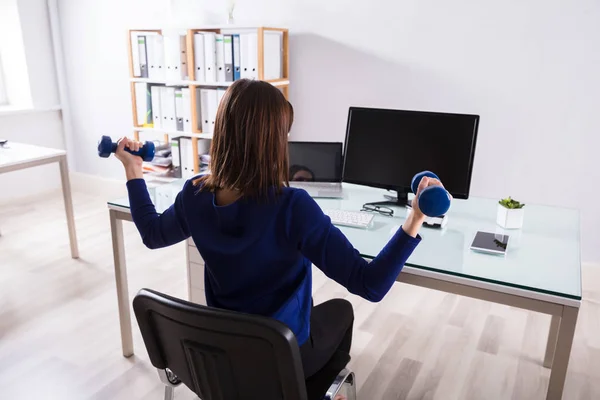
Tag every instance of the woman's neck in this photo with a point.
(225, 197)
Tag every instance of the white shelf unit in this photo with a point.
(276, 83)
(282, 83)
(174, 133)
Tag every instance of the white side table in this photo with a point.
(16, 156)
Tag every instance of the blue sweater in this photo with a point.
(258, 254)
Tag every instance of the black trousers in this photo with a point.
(330, 330)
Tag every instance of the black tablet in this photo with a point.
(487, 242)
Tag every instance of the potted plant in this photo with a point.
(510, 213)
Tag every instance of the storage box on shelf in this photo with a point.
(191, 69)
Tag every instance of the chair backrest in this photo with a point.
(220, 354)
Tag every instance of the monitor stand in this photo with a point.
(400, 200)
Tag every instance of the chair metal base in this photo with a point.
(171, 382)
(344, 378)
(169, 393)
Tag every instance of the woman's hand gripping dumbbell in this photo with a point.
(431, 198)
(130, 152)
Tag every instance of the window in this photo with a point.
(14, 76)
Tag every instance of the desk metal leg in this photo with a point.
(551, 344)
(116, 229)
(564, 342)
(66, 189)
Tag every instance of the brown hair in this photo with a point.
(249, 146)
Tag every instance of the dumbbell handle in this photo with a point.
(139, 153)
(106, 146)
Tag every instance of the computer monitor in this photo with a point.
(386, 148)
(315, 161)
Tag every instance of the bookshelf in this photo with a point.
(172, 132)
(193, 84)
(274, 82)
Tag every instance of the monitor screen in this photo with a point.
(315, 161)
(386, 148)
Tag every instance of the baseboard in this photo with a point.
(104, 188)
(28, 198)
(98, 186)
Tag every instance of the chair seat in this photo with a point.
(317, 385)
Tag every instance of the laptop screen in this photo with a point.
(315, 161)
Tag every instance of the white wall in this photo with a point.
(530, 69)
(39, 126)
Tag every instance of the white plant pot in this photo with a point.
(510, 218)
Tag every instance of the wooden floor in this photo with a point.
(59, 331)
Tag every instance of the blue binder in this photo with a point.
(236, 56)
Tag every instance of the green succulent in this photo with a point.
(511, 203)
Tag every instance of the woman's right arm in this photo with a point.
(327, 247)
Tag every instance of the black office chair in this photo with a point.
(226, 355)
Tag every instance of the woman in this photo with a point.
(259, 237)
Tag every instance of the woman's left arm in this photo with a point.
(156, 230)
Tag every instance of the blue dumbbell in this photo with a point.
(107, 146)
(434, 201)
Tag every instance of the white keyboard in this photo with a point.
(354, 219)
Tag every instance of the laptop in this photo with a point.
(317, 168)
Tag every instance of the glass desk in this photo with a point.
(541, 270)
(16, 156)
